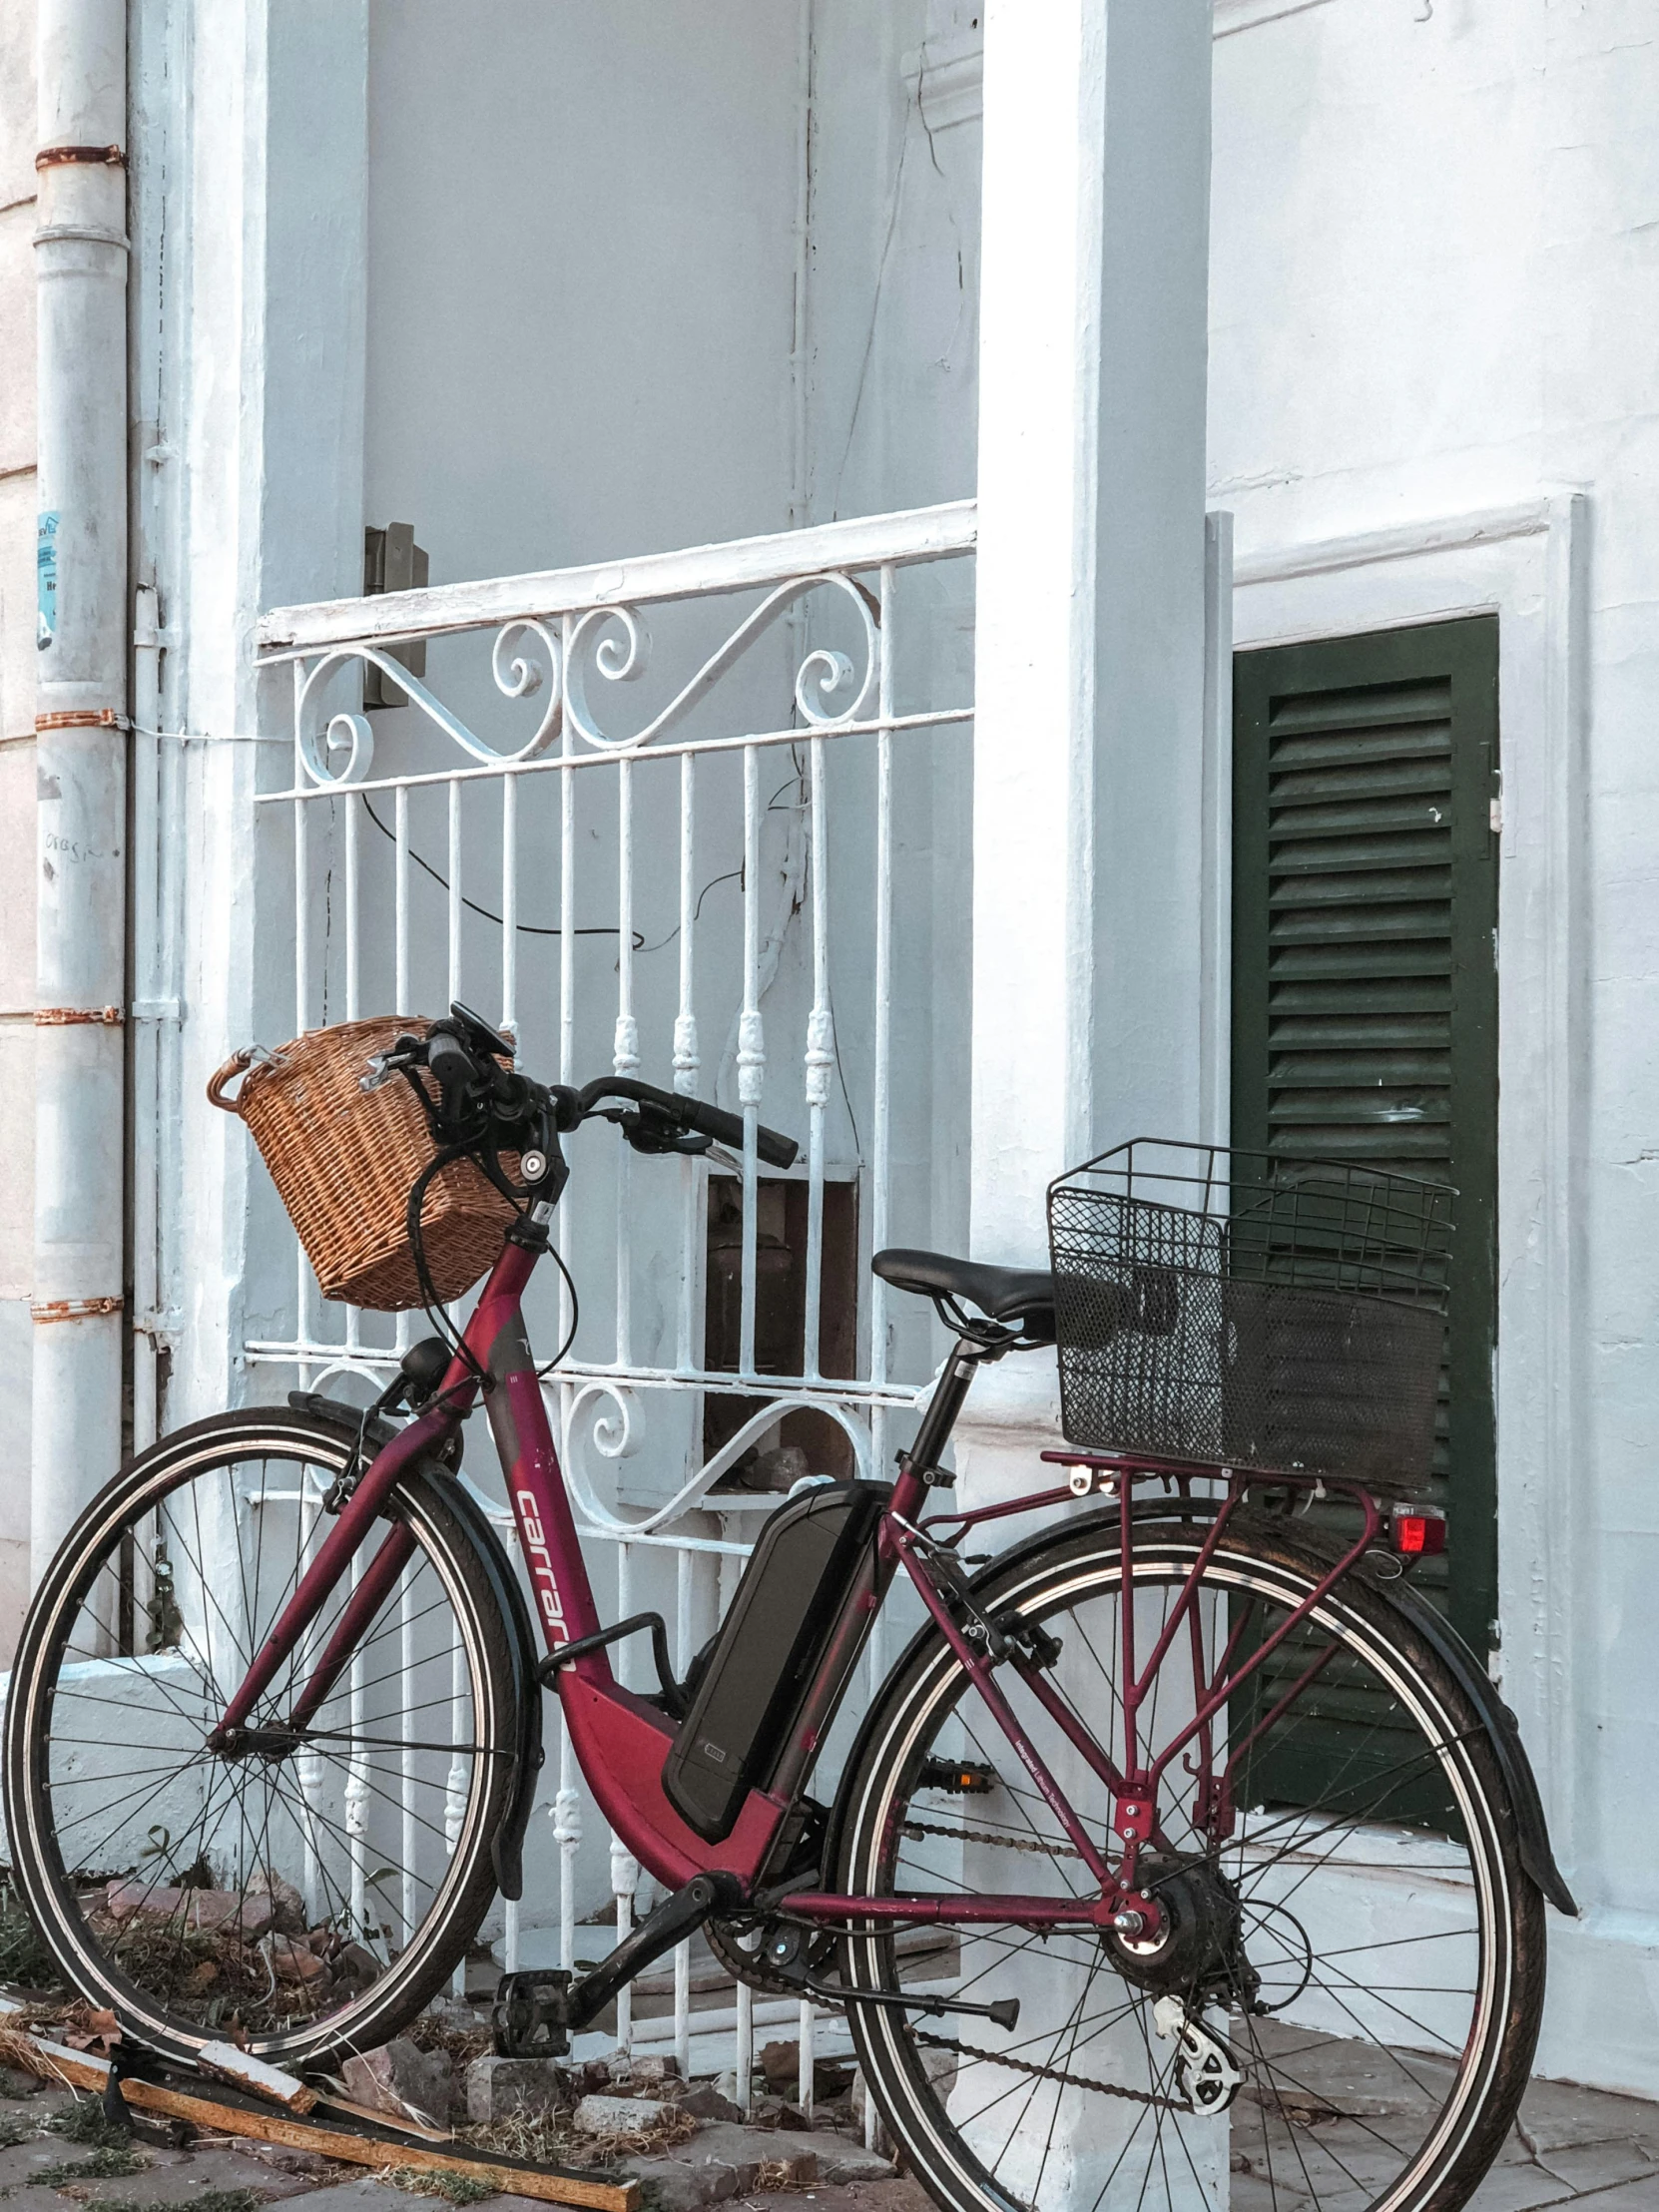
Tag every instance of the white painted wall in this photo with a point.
(1436, 249)
(17, 791)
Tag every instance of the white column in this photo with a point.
(1088, 749)
(265, 346)
(81, 763)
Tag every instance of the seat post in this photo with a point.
(952, 1387)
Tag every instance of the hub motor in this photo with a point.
(1200, 1946)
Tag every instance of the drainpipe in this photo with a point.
(81, 759)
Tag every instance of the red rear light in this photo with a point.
(1419, 1535)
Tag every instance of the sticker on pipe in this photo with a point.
(46, 562)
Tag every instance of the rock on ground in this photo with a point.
(514, 2088)
(399, 2079)
(601, 2115)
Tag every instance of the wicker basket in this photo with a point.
(344, 1160)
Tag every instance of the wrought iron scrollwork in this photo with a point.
(562, 660)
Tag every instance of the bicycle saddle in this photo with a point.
(1006, 1294)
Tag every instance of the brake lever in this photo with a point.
(397, 1059)
(655, 1134)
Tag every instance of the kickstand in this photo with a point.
(127, 2063)
(118, 2117)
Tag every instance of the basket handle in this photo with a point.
(220, 1080)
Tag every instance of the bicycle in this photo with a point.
(1089, 1893)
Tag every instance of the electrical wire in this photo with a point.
(557, 1258)
(520, 928)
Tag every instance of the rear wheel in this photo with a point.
(313, 1891)
(1341, 2010)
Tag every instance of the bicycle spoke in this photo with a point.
(1085, 2035)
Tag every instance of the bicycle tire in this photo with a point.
(71, 1911)
(903, 2057)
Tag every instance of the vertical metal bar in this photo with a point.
(682, 2009)
(625, 1872)
(686, 1064)
(400, 893)
(302, 984)
(406, 1838)
(682, 1951)
(354, 939)
(456, 1790)
(567, 894)
(563, 1220)
(509, 917)
(625, 1876)
(356, 1786)
(455, 908)
(625, 1054)
(401, 1005)
(752, 1058)
(808, 2057)
(820, 1061)
(309, 1763)
(880, 1118)
(743, 2057)
(567, 1836)
(353, 807)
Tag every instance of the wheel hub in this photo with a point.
(1199, 1941)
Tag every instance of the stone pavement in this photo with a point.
(1573, 2146)
(1578, 2147)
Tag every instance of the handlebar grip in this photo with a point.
(777, 1150)
(450, 1062)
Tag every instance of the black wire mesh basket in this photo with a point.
(1245, 1310)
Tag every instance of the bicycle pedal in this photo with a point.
(957, 1777)
(530, 2013)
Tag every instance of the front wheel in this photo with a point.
(312, 1892)
(1340, 2012)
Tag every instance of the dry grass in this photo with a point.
(107, 2164)
(463, 2044)
(423, 2182)
(548, 2139)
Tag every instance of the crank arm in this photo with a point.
(530, 2006)
(678, 1916)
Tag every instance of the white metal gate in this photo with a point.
(756, 887)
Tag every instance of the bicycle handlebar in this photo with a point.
(464, 1056)
(774, 1147)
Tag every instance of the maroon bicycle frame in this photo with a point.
(620, 1739)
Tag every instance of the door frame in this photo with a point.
(1527, 564)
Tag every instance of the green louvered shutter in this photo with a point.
(1365, 975)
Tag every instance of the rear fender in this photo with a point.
(1501, 1728)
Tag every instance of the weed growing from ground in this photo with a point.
(423, 2181)
(104, 2164)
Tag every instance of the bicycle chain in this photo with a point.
(1048, 2073)
(914, 1829)
(1003, 2058)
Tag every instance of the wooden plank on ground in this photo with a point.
(368, 2143)
(243, 2071)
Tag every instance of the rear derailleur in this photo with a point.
(1205, 2068)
